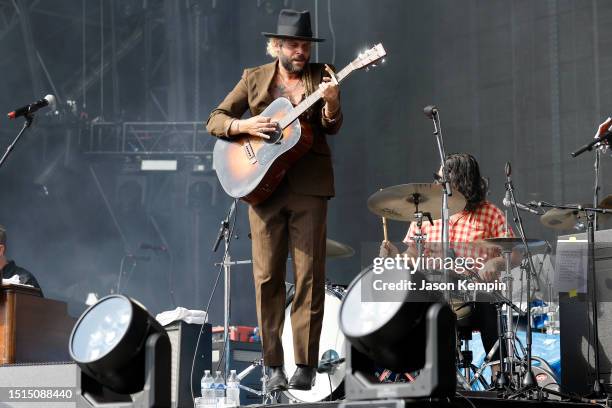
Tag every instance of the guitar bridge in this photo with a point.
(250, 153)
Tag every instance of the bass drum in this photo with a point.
(332, 343)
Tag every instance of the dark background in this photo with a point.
(521, 81)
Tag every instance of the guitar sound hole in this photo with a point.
(276, 136)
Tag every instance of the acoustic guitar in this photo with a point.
(249, 167)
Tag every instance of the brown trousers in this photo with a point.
(287, 221)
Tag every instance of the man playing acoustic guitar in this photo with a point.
(293, 218)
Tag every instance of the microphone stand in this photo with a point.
(529, 382)
(591, 214)
(597, 391)
(225, 235)
(589, 146)
(596, 166)
(29, 118)
(446, 190)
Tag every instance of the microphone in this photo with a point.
(224, 225)
(33, 107)
(589, 146)
(508, 171)
(327, 366)
(430, 111)
(329, 360)
(524, 207)
(507, 201)
(156, 248)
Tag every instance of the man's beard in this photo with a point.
(288, 65)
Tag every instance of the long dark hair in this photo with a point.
(464, 174)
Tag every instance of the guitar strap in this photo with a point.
(308, 82)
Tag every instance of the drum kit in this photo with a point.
(413, 203)
(419, 203)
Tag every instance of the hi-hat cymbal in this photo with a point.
(400, 202)
(509, 243)
(337, 249)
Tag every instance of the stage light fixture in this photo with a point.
(120, 346)
(388, 331)
(400, 330)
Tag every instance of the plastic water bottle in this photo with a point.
(208, 392)
(233, 389)
(219, 386)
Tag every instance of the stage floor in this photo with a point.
(458, 401)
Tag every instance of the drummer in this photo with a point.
(480, 219)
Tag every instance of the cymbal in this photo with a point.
(562, 219)
(509, 243)
(606, 202)
(400, 202)
(569, 218)
(337, 249)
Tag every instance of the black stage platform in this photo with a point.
(458, 401)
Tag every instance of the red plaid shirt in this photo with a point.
(486, 221)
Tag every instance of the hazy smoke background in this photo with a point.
(518, 81)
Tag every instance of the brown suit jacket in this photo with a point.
(313, 173)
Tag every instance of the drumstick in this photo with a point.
(384, 222)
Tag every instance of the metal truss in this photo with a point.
(148, 139)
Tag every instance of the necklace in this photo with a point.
(289, 88)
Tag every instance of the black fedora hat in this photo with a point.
(294, 25)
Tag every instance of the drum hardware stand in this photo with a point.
(419, 238)
(508, 366)
(485, 363)
(597, 391)
(502, 382)
(529, 381)
(506, 335)
(465, 356)
(432, 113)
(509, 337)
(267, 397)
(466, 359)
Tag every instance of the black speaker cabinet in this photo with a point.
(183, 339)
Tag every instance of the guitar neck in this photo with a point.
(311, 100)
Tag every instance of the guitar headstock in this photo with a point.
(369, 57)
